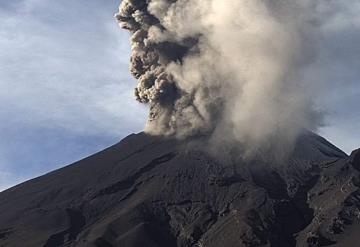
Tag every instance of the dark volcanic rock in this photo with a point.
(355, 159)
(151, 192)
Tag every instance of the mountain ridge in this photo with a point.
(151, 191)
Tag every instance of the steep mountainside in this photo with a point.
(148, 191)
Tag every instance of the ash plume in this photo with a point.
(230, 68)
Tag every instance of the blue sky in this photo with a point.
(65, 89)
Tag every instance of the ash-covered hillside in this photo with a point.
(225, 161)
(158, 192)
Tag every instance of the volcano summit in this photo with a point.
(158, 192)
(229, 156)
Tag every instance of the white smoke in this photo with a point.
(229, 67)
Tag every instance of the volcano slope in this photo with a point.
(152, 192)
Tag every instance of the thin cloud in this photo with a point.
(64, 71)
(57, 78)
(65, 89)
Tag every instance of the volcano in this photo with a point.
(151, 191)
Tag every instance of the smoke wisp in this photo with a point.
(232, 68)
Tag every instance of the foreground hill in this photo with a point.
(151, 192)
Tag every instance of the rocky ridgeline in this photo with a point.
(148, 191)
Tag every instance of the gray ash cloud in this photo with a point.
(230, 68)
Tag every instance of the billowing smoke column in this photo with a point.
(227, 67)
